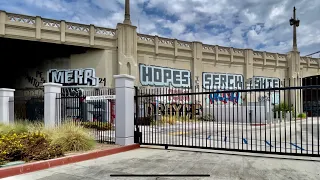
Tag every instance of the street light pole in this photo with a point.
(127, 13)
(295, 23)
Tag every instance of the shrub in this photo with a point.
(144, 120)
(284, 108)
(27, 146)
(207, 117)
(17, 127)
(101, 126)
(72, 137)
(302, 115)
(169, 119)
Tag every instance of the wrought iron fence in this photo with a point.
(92, 108)
(265, 120)
(29, 104)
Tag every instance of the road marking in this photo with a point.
(297, 146)
(269, 143)
(245, 141)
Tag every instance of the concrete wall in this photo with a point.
(123, 50)
(103, 61)
(35, 77)
(240, 114)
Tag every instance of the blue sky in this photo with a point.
(256, 24)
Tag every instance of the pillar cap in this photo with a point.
(124, 76)
(7, 89)
(52, 84)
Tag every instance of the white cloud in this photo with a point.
(243, 24)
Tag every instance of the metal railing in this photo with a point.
(269, 120)
(90, 108)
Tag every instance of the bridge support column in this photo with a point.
(51, 105)
(127, 50)
(294, 96)
(196, 74)
(248, 75)
(124, 85)
(6, 106)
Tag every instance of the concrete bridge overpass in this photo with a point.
(124, 51)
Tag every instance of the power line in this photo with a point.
(313, 53)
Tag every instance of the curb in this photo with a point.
(41, 165)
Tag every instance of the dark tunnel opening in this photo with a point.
(18, 56)
(311, 103)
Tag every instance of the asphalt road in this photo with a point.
(154, 162)
(300, 136)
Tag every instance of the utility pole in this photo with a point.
(127, 13)
(295, 23)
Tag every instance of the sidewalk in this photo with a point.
(183, 161)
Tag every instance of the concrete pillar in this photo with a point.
(6, 111)
(51, 105)
(124, 85)
(196, 73)
(38, 27)
(3, 18)
(248, 75)
(294, 74)
(127, 50)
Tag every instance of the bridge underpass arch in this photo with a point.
(310, 96)
(21, 56)
(25, 66)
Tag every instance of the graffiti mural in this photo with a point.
(165, 77)
(73, 77)
(180, 98)
(36, 80)
(172, 109)
(220, 81)
(261, 82)
(224, 98)
(223, 81)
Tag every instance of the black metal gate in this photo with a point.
(93, 108)
(29, 104)
(269, 120)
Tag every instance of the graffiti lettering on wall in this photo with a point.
(219, 81)
(223, 81)
(73, 77)
(263, 98)
(233, 97)
(72, 92)
(161, 76)
(179, 98)
(260, 82)
(37, 80)
(172, 109)
(103, 81)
